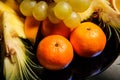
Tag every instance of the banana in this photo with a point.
(13, 4)
(17, 61)
(4, 7)
(13, 29)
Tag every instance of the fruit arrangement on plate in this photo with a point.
(57, 39)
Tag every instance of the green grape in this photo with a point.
(79, 5)
(40, 10)
(51, 15)
(72, 21)
(26, 7)
(59, 0)
(62, 10)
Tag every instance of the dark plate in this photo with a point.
(82, 68)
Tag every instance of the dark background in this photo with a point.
(112, 73)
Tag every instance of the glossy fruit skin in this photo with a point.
(49, 28)
(80, 5)
(62, 10)
(115, 4)
(26, 7)
(40, 10)
(88, 40)
(31, 28)
(72, 21)
(55, 52)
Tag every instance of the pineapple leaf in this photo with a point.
(108, 17)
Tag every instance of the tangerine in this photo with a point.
(31, 28)
(88, 39)
(49, 28)
(55, 52)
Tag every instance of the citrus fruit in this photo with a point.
(31, 28)
(88, 39)
(55, 52)
(116, 5)
(49, 28)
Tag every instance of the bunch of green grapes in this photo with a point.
(55, 10)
